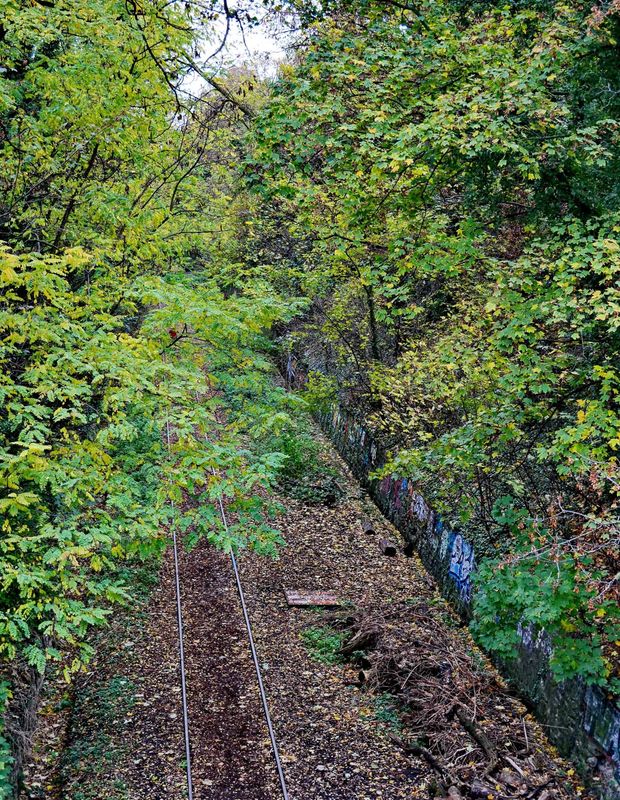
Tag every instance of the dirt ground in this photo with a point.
(339, 739)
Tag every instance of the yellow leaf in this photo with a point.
(8, 274)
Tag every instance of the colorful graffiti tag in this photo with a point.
(461, 565)
(398, 497)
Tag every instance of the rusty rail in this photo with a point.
(177, 586)
(259, 677)
(248, 625)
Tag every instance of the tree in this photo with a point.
(112, 323)
(454, 162)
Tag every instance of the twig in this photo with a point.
(418, 750)
(527, 741)
(481, 739)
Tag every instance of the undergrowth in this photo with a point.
(324, 644)
(388, 711)
(100, 703)
(302, 475)
(92, 755)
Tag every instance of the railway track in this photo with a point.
(252, 646)
(353, 772)
(259, 677)
(334, 743)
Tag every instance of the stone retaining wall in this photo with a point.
(581, 721)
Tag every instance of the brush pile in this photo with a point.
(457, 715)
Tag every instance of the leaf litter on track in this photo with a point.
(342, 735)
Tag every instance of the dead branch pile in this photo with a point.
(457, 715)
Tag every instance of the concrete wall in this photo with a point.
(581, 721)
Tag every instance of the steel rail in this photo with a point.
(248, 625)
(177, 584)
(259, 677)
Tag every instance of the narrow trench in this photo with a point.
(335, 741)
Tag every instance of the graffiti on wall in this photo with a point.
(408, 509)
(601, 721)
(535, 638)
(403, 504)
(461, 565)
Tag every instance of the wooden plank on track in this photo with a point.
(296, 597)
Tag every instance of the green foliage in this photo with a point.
(455, 164)
(534, 596)
(299, 470)
(83, 459)
(533, 371)
(320, 392)
(387, 711)
(430, 191)
(442, 126)
(116, 323)
(534, 414)
(300, 454)
(324, 644)
(67, 501)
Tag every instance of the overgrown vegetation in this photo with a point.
(424, 201)
(302, 474)
(99, 706)
(115, 323)
(324, 644)
(93, 757)
(439, 180)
